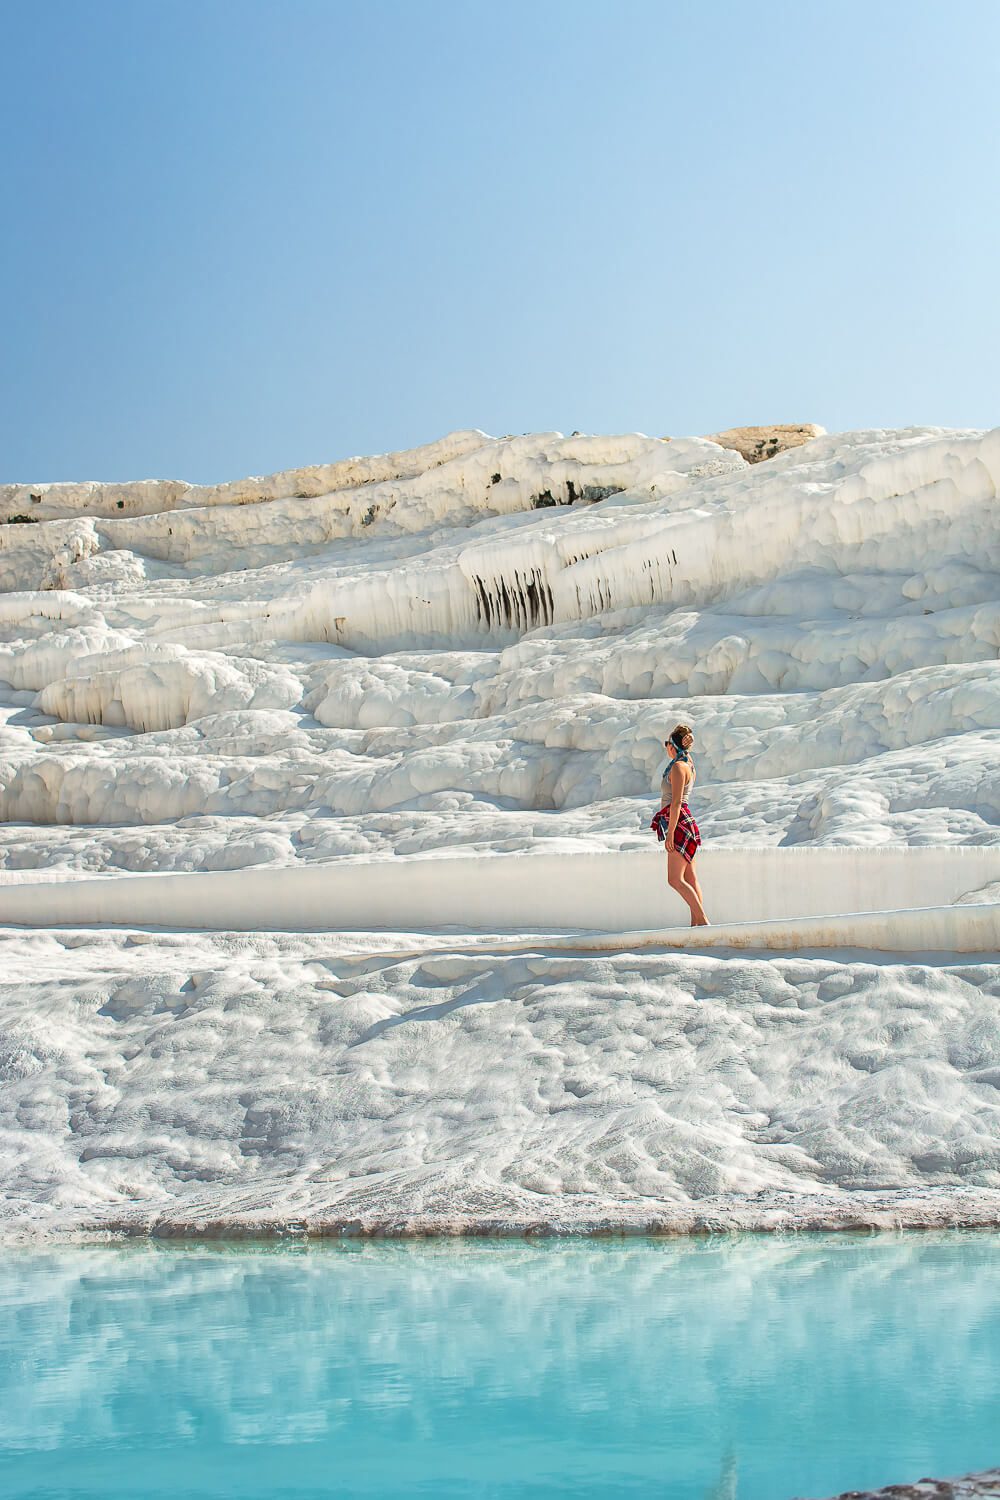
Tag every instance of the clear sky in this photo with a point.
(241, 236)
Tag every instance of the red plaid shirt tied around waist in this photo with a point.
(687, 839)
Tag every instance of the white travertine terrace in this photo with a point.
(429, 690)
(617, 897)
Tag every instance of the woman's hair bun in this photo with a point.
(679, 734)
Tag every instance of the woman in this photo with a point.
(675, 825)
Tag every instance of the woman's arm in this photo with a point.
(677, 785)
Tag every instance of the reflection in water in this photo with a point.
(809, 1365)
(725, 1488)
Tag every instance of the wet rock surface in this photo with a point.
(985, 1483)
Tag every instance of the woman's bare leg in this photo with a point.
(677, 880)
(692, 879)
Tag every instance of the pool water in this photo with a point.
(750, 1367)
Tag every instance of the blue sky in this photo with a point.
(240, 236)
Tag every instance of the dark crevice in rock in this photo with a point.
(594, 492)
(518, 603)
(589, 493)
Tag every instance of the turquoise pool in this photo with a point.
(753, 1367)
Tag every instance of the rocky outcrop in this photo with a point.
(757, 443)
(980, 1485)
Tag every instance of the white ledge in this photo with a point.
(896, 899)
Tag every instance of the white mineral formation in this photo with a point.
(418, 700)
